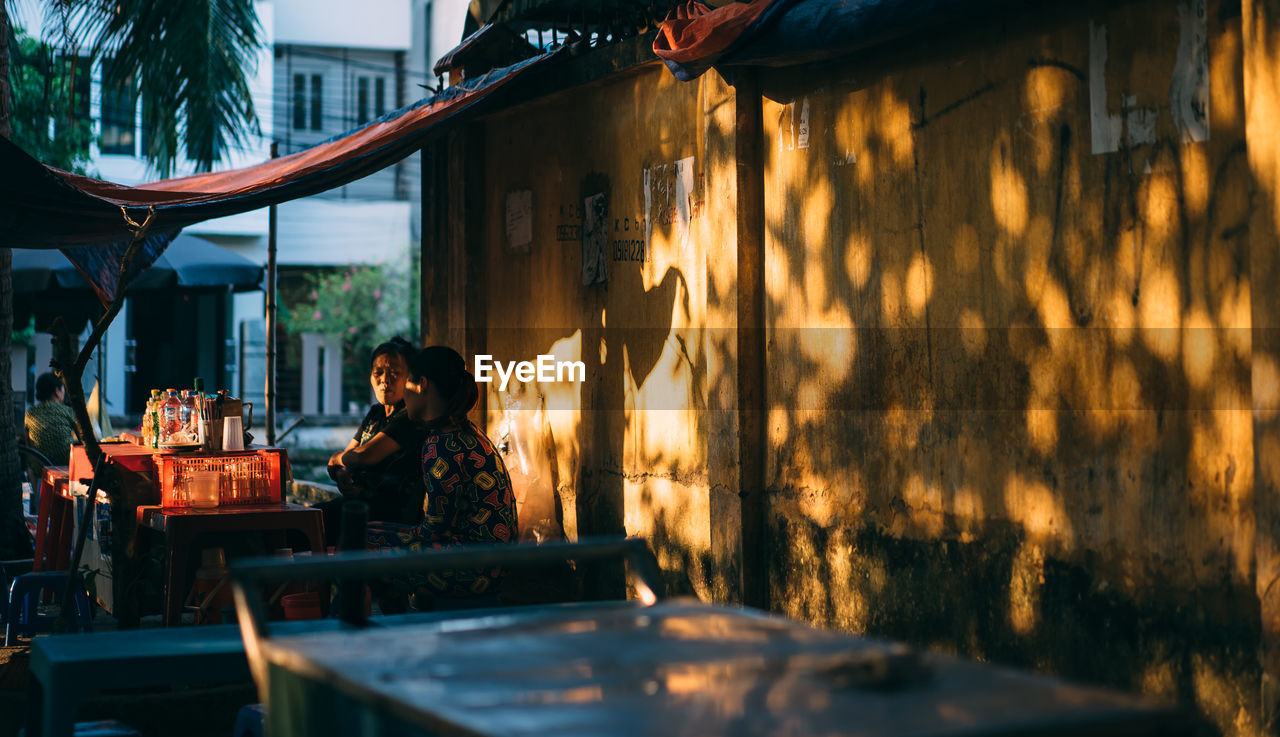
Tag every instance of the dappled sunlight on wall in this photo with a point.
(1051, 357)
(1010, 348)
(647, 182)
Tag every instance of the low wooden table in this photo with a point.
(181, 527)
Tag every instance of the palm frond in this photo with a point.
(192, 60)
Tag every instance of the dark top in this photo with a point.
(393, 488)
(375, 420)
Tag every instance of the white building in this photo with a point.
(327, 67)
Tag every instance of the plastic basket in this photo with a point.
(248, 477)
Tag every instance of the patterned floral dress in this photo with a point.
(468, 499)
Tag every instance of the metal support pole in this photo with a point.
(270, 389)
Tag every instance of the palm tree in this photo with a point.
(190, 60)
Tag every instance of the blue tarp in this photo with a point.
(789, 32)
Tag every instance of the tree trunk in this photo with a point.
(14, 541)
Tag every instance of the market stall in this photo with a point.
(187, 497)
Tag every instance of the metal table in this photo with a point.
(676, 668)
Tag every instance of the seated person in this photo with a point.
(50, 424)
(469, 498)
(380, 464)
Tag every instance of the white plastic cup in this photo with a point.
(204, 488)
(232, 433)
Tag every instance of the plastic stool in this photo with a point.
(10, 569)
(107, 728)
(22, 615)
(249, 721)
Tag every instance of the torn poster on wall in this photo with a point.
(1135, 125)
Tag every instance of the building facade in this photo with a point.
(326, 68)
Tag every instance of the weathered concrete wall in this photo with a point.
(1011, 374)
(1261, 44)
(646, 162)
(1013, 347)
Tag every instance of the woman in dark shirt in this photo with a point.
(468, 498)
(380, 464)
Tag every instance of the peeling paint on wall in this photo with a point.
(1189, 91)
(1140, 123)
(1105, 127)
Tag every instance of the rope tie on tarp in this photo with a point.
(139, 230)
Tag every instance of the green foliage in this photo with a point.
(365, 305)
(363, 302)
(191, 60)
(46, 103)
(24, 336)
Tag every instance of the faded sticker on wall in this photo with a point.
(792, 133)
(519, 220)
(1135, 124)
(684, 196)
(595, 239)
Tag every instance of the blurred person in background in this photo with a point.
(50, 425)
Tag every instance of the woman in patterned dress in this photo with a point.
(468, 498)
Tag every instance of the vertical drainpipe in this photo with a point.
(749, 150)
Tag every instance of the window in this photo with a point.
(317, 102)
(119, 125)
(77, 67)
(379, 97)
(299, 101)
(362, 100)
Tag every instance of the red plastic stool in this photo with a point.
(54, 523)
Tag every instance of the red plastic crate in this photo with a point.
(246, 477)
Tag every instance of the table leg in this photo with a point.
(315, 535)
(66, 535)
(175, 578)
